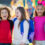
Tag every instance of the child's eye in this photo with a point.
(41, 9)
(2, 12)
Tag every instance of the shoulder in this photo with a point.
(14, 19)
(30, 20)
(26, 23)
(10, 21)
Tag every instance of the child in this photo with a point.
(6, 26)
(39, 25)
(21, 27)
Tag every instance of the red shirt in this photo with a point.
(5, 32)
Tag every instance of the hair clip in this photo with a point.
(43, 2)
(39, 2)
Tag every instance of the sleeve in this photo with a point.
(14, 20)
(31, 29)
(25, 35)
(11, 24)
(32, 25)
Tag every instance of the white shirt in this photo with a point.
(18, 38)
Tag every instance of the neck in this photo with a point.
(4, 19)
(40, 16)
(19, 19)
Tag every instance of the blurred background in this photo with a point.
(29, 6)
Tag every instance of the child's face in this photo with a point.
(18, 14)
(40, 10)
(4, 14)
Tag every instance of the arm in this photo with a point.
(25, 35)
(32, 29)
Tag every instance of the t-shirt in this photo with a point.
(39, 28)
(17, 36)
(5, 32)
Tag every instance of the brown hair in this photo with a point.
(35, 13)
(7, 11)
(23, 14)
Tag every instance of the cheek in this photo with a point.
(20, 15)
(7, 15)
(42, 11)
(1, 15)
(37, 11)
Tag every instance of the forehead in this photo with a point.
(17, 10)
(3, 10)
(39, 7)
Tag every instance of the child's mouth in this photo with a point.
(40, 12)
(4, 16)
(16, 16)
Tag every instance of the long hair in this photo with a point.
(23, 14)
(7, 11)
(35, 13)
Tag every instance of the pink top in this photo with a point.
(43, 2)
(39, 24)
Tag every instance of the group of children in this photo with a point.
(24, 30)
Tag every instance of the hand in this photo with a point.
(32, 36)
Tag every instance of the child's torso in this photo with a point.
(16, 32)
(39, 23)
(5, 32)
